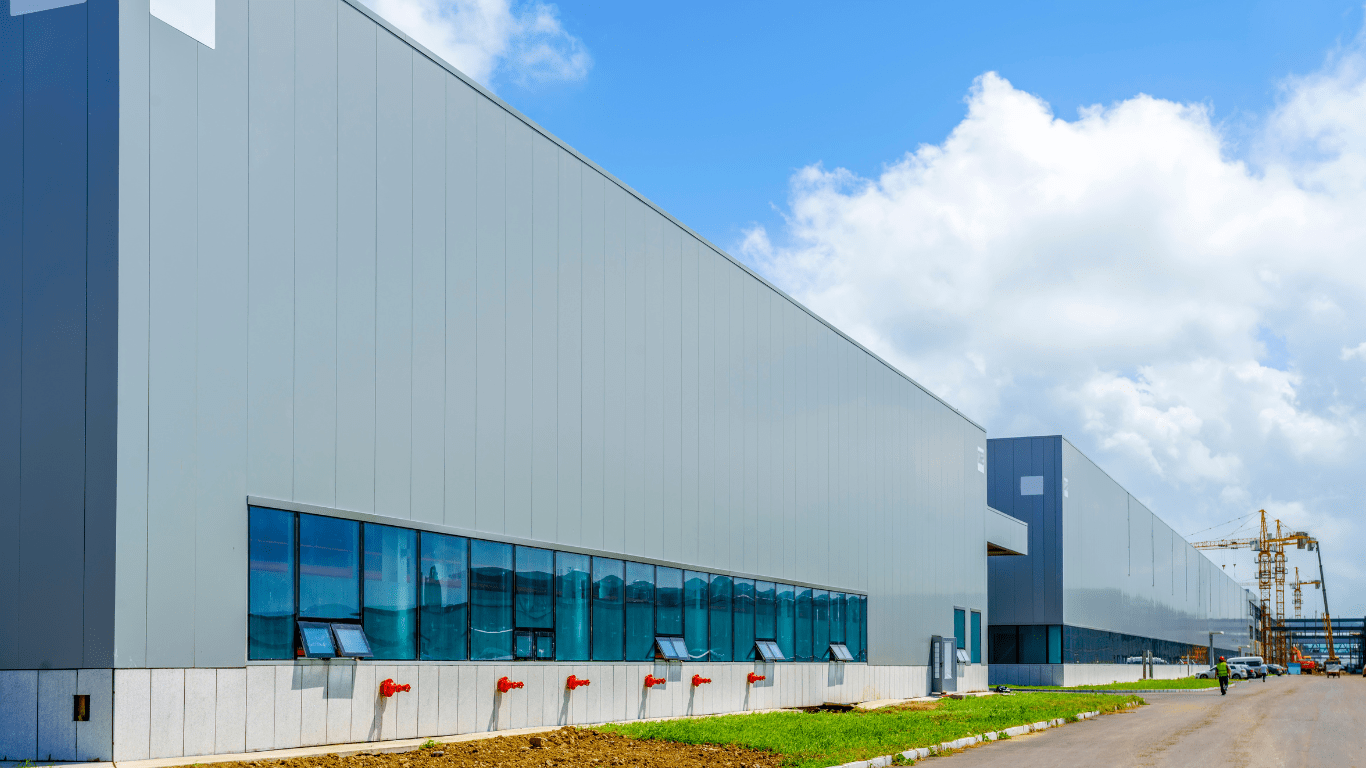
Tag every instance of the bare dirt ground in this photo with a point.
(565, 748)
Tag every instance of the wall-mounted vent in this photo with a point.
(1031, 485)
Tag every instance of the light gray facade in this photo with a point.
(350, 280)
(1099, 561)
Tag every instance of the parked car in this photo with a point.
(1275, 669)
(1254, 663)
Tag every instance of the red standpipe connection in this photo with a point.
(574, 682)
(505, 685)
(388, 688)
(753, 678)
(651, 681)
(700, 680)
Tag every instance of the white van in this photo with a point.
(1255, 665)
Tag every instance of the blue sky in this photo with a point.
(708, 108)
(1139, 226)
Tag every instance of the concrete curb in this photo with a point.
(1117, 691)
(920, 753)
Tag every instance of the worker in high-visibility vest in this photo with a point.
(1221, 669)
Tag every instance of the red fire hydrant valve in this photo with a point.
(574, 682)
(505, 685)
(388, 688)
(700, 680)
(753, 678)
(651, 681)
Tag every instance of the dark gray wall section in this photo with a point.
(58, 130)
(1028, 589)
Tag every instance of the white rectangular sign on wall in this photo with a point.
(193, 17)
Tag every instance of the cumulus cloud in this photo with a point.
(493, 40)
(1115, 277)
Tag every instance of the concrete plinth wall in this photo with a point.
(36, 715)
(1082, 674)
(188, 712)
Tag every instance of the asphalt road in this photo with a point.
(1286, 721)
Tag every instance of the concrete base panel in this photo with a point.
(37, 715)
(174, 713)
(1081, 674)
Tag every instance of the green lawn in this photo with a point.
(1185, 683)
(820, 739)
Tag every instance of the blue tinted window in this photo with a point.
(787, 620)
(609, 577)
(391, 591)
(719, 616)
(490, 600)
(960, 629)
(863, 628)
(820, 623)
(837, 610)
(445, 597)
(805, 619)
(571, 606)
(742, 618)
(1033, 644)
(765, 611)
(270, 622)
(976, 637)
(669, 603)
(535, 588)
(640, 611)
(1055, 644)
(694, 612)
(329, 568)
(852, 638)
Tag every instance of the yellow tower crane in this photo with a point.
(1296, 584)
(1271, 569)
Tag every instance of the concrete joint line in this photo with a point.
(921, 753)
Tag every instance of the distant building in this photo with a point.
(1105, 579)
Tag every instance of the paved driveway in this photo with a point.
(1286, 721)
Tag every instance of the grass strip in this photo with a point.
(820, 739)
(1185, 683)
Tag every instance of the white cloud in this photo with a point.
(493, 40)
(1112, 277)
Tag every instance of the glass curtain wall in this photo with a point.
(430, 596)
(270, 614)
(445, 597)
(391, 591)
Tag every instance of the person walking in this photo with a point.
(1222, 670)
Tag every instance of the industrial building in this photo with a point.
(324, 371)
(1105, 580)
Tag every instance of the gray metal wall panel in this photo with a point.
(594, 371)
(569, 407)
(671, 393)
(394, 278)
(545, 338)
(270, 414)
(130, 583)
(614, 364)
(461, 213)
(57, 400)
(731, 549)
(11, 321)
(315, 252)
(221, 402)
(521, 348)
(491, 315)
(745, 558)
(356, 207)
(171, 441)
(688, 536)
(653, 423)
(101, 345)
(429, 291)
(634, 528)
(707, 424)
